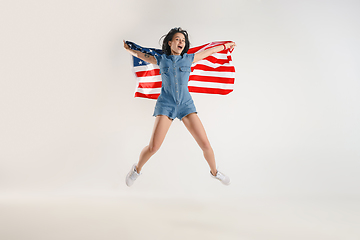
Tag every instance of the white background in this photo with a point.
(70, 124)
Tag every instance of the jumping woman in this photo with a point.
(175, 100)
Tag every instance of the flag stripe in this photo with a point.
(213, 74)
(149, 85)
(210, 90)
(146, 67)
(211, 79)
(150, 79)
(142, 95)
(206, 46)
(216, 60)
(212, 65)
(219, 55)
(149, 90)
(217, 69)
(153, 72)
(211, 85)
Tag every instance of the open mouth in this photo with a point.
(180, 47)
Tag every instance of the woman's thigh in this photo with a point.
(161, 127)
(197, 130)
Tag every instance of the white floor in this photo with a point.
(119, 217)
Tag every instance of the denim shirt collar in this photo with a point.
(175, 57)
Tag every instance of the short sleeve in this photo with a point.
(190, 57)
(158, 58)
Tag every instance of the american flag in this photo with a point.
(214, 74)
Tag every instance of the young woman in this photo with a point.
(175, 100)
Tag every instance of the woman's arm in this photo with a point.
(143, 56)
(201, 55)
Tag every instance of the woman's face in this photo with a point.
(177, 44)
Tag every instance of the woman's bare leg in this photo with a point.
(195, 127)
(161, 126)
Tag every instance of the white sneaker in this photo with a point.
(221, 177)
(132, 176)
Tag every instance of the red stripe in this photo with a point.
(217, 60)
(151, 96)
(211, 69)
(210, 90)
(211, 79)
(152, 72)
(195, 49)
(149, 85)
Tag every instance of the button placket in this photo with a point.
(176, 88)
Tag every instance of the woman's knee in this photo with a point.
(153, 148)
(206, 147)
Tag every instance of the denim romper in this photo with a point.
(175, 100)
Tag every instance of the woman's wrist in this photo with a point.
(132, 52)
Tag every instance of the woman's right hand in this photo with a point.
(126, 46)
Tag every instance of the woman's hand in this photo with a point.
(126, 46)
(230, 45)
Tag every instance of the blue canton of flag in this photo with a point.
(139, 62)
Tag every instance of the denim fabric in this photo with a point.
(175, 100)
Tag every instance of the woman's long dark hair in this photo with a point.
(169, 36)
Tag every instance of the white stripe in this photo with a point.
(213, 65)
(149, 90)
(211, 85)
(213, 73)
(220, 55)
(146, 68)
(156, 78)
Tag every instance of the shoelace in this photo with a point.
(220, 176)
